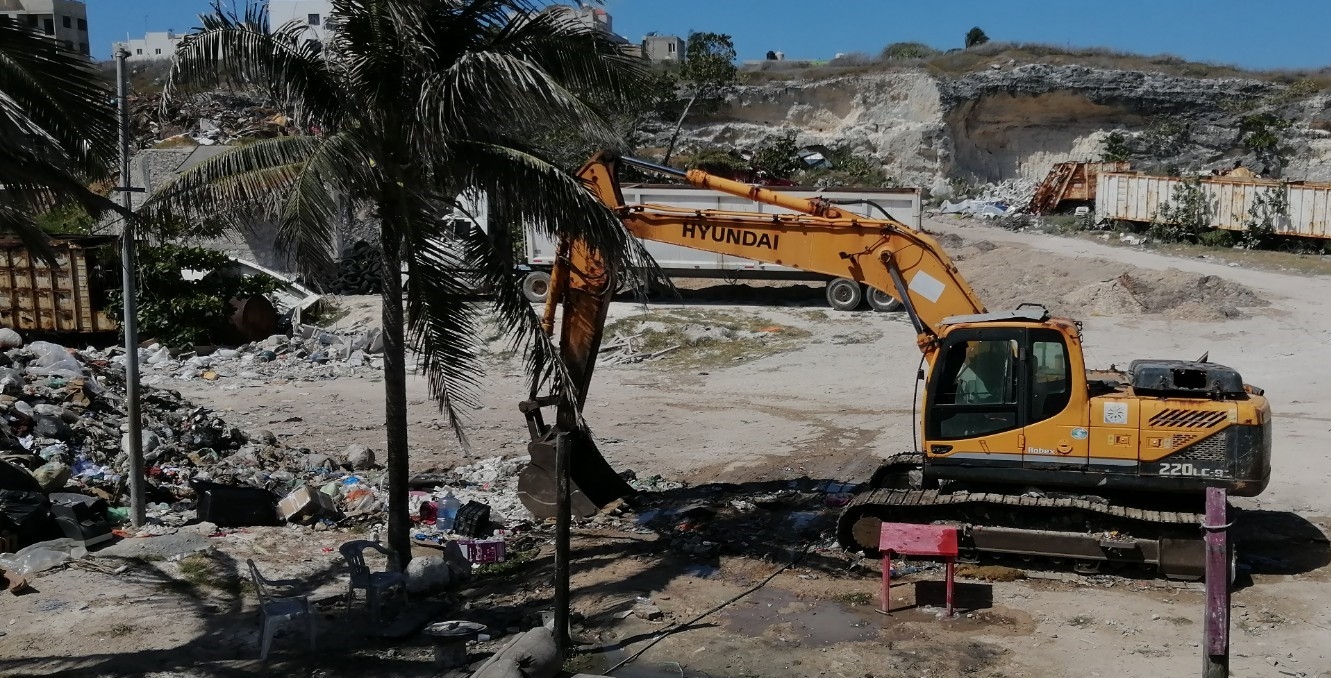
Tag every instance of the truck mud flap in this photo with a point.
(594, 481)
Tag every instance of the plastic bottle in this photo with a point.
(448, 512)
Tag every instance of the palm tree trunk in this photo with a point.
(678, 126)
(395, 389)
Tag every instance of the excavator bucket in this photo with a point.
(593, 482)
(581, 286)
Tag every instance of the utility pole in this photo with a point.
(130, 292)
(563, 523)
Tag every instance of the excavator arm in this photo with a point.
(813, 235)
(816, 236)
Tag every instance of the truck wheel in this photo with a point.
(536, 286)
(882, 301)
(844, 294)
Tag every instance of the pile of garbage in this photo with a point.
(474, 506)
(1016, 192)
(206, 119)
(310, 354)
(64, 443)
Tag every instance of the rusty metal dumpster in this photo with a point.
(67, 297)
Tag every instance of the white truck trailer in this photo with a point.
(902, 204)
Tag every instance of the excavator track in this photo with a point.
(1086, 530)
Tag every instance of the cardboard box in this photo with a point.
(305, 502)
(482, 551)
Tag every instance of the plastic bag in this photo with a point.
(42, 556)
(53, 360)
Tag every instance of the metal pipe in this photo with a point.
(130, 323)
(654, 167)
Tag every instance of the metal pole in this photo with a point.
(1215, 625)
(563, 520)
(130, 323)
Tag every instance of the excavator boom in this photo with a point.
(816, 236)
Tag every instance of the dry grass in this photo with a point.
(1266, 260)
(990, 572)
(177, 142)
(960, 62)
(706, 339)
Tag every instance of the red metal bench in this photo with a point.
(908, 539)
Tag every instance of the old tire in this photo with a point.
(536, 286)
(844, 294)
(882, 301)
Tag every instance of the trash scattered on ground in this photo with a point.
(977, 208)
(312, 354)
(64, 433)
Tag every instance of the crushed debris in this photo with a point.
(1005, 276)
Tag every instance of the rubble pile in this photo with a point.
(64, 421)
(492, 483)
(1015, 192)
(311, 354)
(206, 119)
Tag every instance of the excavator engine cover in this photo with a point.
(1186, 379)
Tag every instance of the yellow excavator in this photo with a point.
(1026, 449)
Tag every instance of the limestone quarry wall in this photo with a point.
(1015, 121)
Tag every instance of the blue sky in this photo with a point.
(1249, 33)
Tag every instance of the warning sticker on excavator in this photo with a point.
(1116, 413)
(927, 286)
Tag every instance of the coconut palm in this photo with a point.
(409, 105)
(57, 130)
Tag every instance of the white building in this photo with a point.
(314, 14)
(151, 46)
(66, 21)
(591, 17)
(663, 47)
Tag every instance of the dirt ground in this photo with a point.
(825, 402)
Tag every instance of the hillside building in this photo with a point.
(316, 15)
(66, 21)
(150, 47)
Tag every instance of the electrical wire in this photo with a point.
(679, 627)
(915, 409)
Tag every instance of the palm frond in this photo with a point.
(584, 59)
(337, 167)
(244, 177)
(245, 52)
(442, 317)
(485, 93)
(526, 191)
(62, 94)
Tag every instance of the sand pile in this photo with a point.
(1006, 275)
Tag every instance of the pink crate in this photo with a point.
(482, 551)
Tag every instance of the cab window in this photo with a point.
(976, 390)
(1051, 378)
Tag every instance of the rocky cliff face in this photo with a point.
(1015, 121)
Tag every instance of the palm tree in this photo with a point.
(409, 105)
(57, 130)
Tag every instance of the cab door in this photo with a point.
(975, 410)
(1055, 426)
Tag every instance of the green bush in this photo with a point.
(1268, 213)
(901, 51)
(179, 312)
(1217, 238)
(1185, 217)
